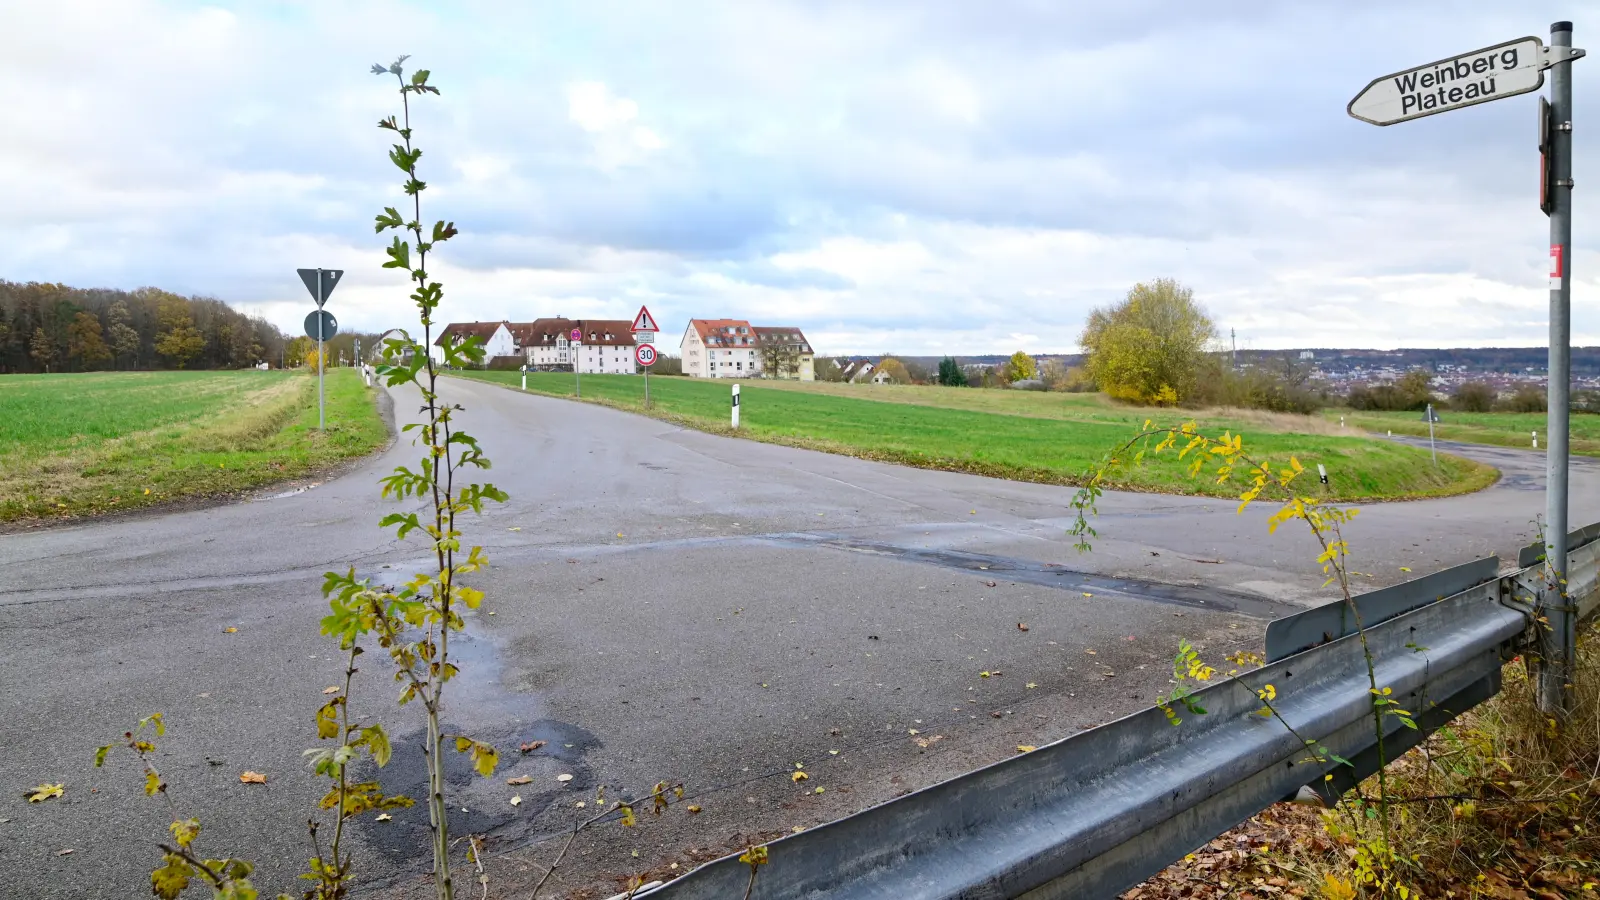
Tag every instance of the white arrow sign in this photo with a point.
(1504, 70)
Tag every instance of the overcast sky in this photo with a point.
(916, 176)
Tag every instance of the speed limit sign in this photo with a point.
(645, 354)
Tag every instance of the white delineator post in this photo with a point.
(1431, 448)
(736, 407)
(524, 377)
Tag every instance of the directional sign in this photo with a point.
(645, 354)
(329, 280)
(330, 325)
(1504, 70)
(644, 321)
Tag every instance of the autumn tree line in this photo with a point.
(55, 328)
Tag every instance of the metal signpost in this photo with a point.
(576, 336)
(644, 337)
(1505, 70)
(321, 325)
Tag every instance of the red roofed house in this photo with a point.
(733, 348)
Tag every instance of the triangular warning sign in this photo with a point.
(644, 321)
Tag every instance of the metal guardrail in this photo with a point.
(1319, 625)
(1094, 814)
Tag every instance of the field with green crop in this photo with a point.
(111, 441)
(1025, 436)
(1502, 429)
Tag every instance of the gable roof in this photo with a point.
(784, 334)
(459, 331)
(545, 332)
(724, 332)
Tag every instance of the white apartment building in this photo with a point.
(604, 346)
(733, 348)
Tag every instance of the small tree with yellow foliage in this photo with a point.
(1147, 348)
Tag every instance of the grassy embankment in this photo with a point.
(1501, 429)
(1027, 436)
(110, 441)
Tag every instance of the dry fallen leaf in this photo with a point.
(1090, 652)
(253, 778)
(64, 852)
(531, 746)
(229, 630)
(694, 809)
(384, 817)
(580, 804)
(817, 791)
(927, 742)
(1022, 626)
(515, 528)
(833, 753)
(520, 779)
(1026, 748)
(798, 777)
(1031, 685)
(1088, 595)
(517, 800)
(45, 792)
(563, 778)
(331, 689)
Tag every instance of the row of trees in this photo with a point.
(55, 328)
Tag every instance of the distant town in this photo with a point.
(736, 348)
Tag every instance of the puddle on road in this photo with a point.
(289, 493)
(476, 704)
(1055, 575)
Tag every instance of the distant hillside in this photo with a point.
(1503, 360)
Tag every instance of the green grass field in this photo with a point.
(1050, 438)
(110, 441)
(1502, 429)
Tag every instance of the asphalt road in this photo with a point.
(666, 605)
